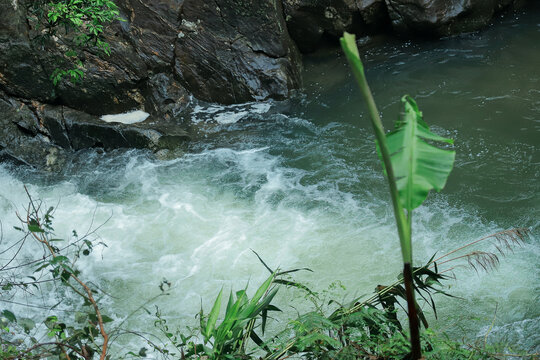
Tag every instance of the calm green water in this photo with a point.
(299, 182)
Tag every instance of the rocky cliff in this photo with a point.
(168, 51)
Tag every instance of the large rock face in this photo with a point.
(311, 21)
(236, 51)
(240, 51)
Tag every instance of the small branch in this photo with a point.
(22, 355)
(43, 240)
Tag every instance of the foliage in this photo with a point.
(412, 166)
(54, 270)
(228, 339)
(78, 24)
(368, 329)
(418, 166)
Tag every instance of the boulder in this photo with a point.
(43, 135)
(164, 95)
(436, 18)
(232, 51)
(21, 70)
(21, 141)
(309, 21)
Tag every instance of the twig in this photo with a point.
(42, 239)
(27, 351)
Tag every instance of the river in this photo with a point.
(299, 182)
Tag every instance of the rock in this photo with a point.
(20, 145)
(309, 21)
(442, 17)
(165, 95)
(232, 51)
(86, 131)
(151, 27)
(110, 84)
(240, 52)
(52, 119)
(43, 135)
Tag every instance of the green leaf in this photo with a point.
(348, 43)
(33, 226)
(212, 317)
(9, 315)
(418, 166)
(262, 289)
(59, 259)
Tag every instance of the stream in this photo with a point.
(299, 182)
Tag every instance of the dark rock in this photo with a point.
(6, 157)
(241, 52)
(165, 96)
(309, 21)
(442, 17)
(43, 135)
(52, 118)
(22, 73)
(151, 27)
(19, 145)
(86, 131)
(232, 51)
(111, 83)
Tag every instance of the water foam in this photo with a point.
(129, 118)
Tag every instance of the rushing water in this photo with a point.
(299, 182)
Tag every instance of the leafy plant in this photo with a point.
(80, 24)
(225, 339)
(412, 166)
(66, 338)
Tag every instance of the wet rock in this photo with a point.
(52, 121)
(43, 135)
(309, 21)
(231, 51)
(139, 47)
(21, 72)
(20, 145)
(240, 52)
(151, 27)
(442, 17)
(86, 131)
(164, 95)
(110, 84)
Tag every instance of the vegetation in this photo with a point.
(39, 262)
(412, 166)
(368, 329)
(78, 25)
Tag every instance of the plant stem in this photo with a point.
(403, 222)
(414, 325)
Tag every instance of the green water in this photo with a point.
(299, 182)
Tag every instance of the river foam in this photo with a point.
(304, 188)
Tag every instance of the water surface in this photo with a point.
(299, 182)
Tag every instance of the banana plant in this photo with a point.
(413, 167)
